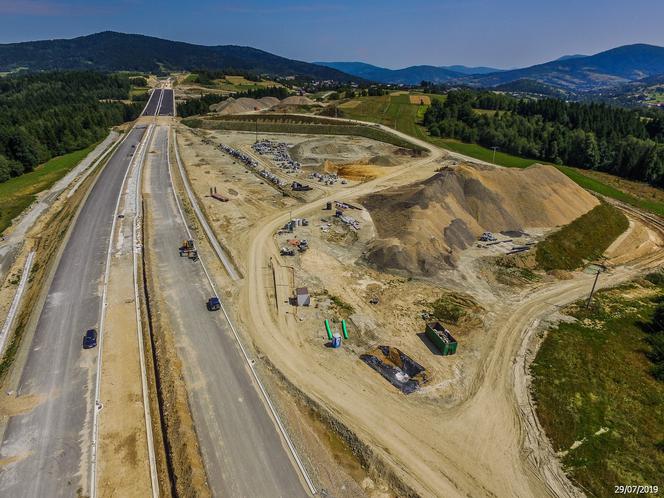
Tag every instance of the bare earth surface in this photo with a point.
(468, 436)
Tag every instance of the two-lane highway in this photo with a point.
(46, 451)
(51, 442)
(153, 103)
(243, 452)
(167, 103)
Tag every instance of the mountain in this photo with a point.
(531, 87)
(580, 74)
(111, 51)
(473, 70)
(569, 57)
(412, 75)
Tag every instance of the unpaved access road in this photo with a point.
(242, 450)
(479, 447)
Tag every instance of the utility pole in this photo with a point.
(256, 128)
(593, 289)
(494, 154)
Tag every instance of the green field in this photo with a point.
(656, 98)
(595, 396)
(585, 239)
(18, 193)
(138, 90)
(397, 112)
(231, 84)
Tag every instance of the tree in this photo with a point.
(592, 158)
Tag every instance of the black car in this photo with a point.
(90, 339)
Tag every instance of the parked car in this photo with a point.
(90, 339)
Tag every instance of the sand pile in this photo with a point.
(243, 105)
(297, 100)
(238, 106)
(422, 227)
(269, 101)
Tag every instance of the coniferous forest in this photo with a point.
(625, 142)
(43, 115)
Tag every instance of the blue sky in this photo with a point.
(499, 33)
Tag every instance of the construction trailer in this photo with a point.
(442, 338)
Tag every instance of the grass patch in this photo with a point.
(453, 307)
(592, 385)
(483, 154)
(342, 305)
(447, 311)
(585, 239)
(18, 193)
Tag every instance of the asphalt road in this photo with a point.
(243, 453)
(48, 447)
(153, 104)
(167, 103)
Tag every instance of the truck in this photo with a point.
(188, 249)
(299, 187)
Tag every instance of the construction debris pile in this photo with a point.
(348, 220)
(397, 367)
(278, 151)
(252, 164)
(326, 178)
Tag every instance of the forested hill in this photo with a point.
(43, 115)
(627, 143)
(111, 51)
(583, 73)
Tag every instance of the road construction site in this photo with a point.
(317, 249)
(345, 289)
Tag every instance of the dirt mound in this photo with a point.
(421, 227)
(239, 106)
(297, 100)
(269, 101)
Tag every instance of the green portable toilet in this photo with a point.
(442, 338)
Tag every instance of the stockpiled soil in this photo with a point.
(421, 227)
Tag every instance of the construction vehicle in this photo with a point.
(214, 304)
(299, 187)
(188, 249)
(287, 251)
